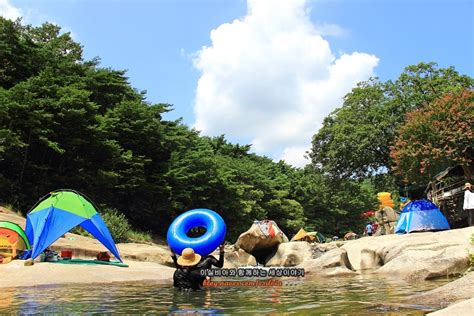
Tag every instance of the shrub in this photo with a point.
(117, 223)
(139, 237)
(80, 231)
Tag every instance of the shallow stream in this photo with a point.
(361, 295)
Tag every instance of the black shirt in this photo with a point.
(191, 278)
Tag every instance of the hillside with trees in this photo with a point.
(66, 122)
(399, 133)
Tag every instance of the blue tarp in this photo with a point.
(421, 215)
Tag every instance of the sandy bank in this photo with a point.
(144, 263)
(15, 274)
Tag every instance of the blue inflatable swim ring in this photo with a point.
(203, 245)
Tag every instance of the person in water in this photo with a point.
(188, 274)
(208, 262)
(184, 264)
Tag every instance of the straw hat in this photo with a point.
(188, 258)
(467, 185)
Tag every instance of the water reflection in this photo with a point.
(6, 298)
(193, 303)
(366, 295)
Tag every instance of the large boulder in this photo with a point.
(318, 250)
(413, 257)
(333, 263)
(261, 235)
(417, 256)
(238, 258)
(290, 254)
(425, 263)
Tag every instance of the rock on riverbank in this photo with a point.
(416, 256)
(458, 290)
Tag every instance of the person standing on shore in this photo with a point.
(369, 229)
(468, 205)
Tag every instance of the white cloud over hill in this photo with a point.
(270, 77)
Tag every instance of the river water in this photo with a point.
(360, 295)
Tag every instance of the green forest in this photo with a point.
(66, 122)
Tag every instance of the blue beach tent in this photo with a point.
(60, 211)
(421, 215)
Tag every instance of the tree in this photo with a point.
(436, 136)
(423, 83)
(355, 140)
(333, 206)
(16, 51)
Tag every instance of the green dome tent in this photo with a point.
(60, 211)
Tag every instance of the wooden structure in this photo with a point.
(447, 191)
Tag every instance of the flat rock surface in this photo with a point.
(415, 256)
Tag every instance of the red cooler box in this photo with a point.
(66, 254)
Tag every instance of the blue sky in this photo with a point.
(157, 41)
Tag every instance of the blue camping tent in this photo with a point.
(421, 215)
(60, 211)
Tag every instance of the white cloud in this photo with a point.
(8, 11)
(326, 29)
(270, 78)
(295, 156)
(31, 16)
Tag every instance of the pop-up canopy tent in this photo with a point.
(12, 239)
(60, 211)
(302, 235)
(421, 215)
